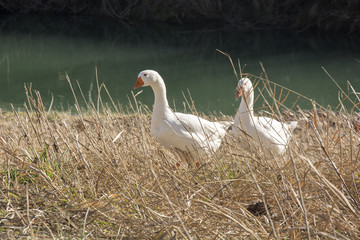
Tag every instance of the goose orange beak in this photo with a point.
(239, 91)
(139, 83)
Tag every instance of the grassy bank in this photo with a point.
(99, 173)
(298, 15)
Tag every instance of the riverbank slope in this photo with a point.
(99, 173)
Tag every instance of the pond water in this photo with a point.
(40, 51)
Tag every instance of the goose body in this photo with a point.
(186, 132)
(274, 134)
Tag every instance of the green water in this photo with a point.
(41, 50)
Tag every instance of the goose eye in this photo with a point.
(145, 74)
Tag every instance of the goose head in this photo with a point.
(244, 88)
(147, 78)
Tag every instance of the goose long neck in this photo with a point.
(161, 104)
(246, 107)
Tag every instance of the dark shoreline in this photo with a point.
(334, 16)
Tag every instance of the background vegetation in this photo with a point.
(298, 15)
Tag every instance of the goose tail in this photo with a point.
(292, 125)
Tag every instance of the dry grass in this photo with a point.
(62, 176)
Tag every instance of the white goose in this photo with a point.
(274, 134)
(186, 132)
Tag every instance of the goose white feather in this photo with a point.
(186, 132)
(276, 135)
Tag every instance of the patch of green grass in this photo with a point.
(22, 176)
